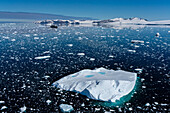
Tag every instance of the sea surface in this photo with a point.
(34, 56)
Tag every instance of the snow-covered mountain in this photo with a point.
(109, 22)
(59, 21)
(131, 21)
(122, 21)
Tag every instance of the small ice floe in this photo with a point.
(83, 104)
(23, 86)
(147, 104)
(13, 40)
(111, 56)
(66, 108)
(70, 53)
(136, 46)
(46, 77)
(80, 38)
(36, 38)
(139, 107)
(157, 35)
(81, 54)
(55, 38)
(42, 57)
(168, 31)
(92, 59)
(23, 109)
(132, 51)
(2, 102)
(70, 45)
(97, 109)
(139, 70)
(5, 37)
(162, 104)
(35, 34)
(154, 107)
(156, 103)
(137, 41)
(130, 109)
(143, 87)
(27, 35)
(45, 52)
(3, 107)
(142, 79)
(48, 102)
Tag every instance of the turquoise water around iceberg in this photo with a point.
(102, 73)
(88, 76)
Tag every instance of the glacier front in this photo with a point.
(99, 84)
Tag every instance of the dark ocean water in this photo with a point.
(26, 81)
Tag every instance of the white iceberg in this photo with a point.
(99, 84)
(66, 108)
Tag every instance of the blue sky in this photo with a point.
(101, 9)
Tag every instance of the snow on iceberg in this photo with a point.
(99, 84)
(66, 108)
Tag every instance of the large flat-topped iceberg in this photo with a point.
(99, 84)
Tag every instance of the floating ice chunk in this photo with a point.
(42, 57)
(23, 109)
(154, 107)
(46, 77)
(130, 109)
(5, 37)
(81, 54)
(157, 35)
(70, 53)
(48, 102)
(70, 45)
(111, 56)
(13, 40)
(46, 52)
(156, 103)
(36, 38)
(66, 108)
(143, 87)
(140, 70)
(35, 34)
(136, 46)
(147, 104)
(1, 102)
(3, 107)
(162, 104)
(132, 51)
(99, 84)
(83, 104)
(139, 107)
(142, 79)
(24, 86)
(137, 41)
(27, 35)
(92, 59)
(168, 31)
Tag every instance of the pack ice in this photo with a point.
(99, 84)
